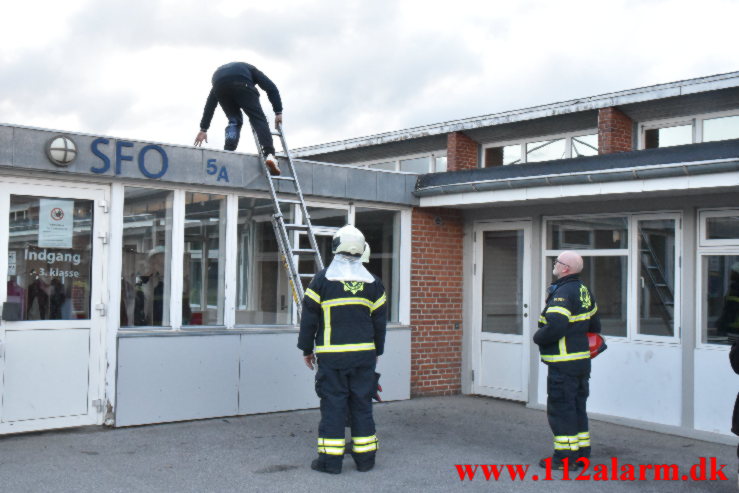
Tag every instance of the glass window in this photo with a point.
(545, 150)
(502, 281)
(381, 231)
(585, 145)
(668, 136)
(416, 165)
(332, 218)
(606, 277)
(656, 289)
(147, 254)
(587, 233)
(440, 165)
(388, 165)
(722, 228)
(205, 226)
(501, 156)
(720, 293)
(263, 293)
(50, 257)
(721, 128)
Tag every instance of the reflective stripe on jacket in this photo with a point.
(570, 312)
(343, 322)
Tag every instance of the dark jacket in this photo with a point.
(345, 321)
(734, 360)
(570, 312)
(239, 72)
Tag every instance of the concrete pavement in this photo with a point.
(421, 441)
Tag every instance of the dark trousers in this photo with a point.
(234, 97)
(341, 391)
(567, 395)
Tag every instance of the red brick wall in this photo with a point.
(615, 131)
(436, 302)
(461, 152)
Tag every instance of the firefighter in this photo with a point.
(343, 326)
(570, 313)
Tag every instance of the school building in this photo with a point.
(144, 283)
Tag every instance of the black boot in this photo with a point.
(321, 466)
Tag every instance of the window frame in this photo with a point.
(706, 248)
(632, 270)
(397, 159)
(568, 136)
(695, 120)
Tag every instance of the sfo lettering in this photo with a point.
(149, 165)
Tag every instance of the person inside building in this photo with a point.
(569, 314)
(233, 87)
(343, 326)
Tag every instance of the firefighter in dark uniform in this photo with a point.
(343, 324)
(570, 313)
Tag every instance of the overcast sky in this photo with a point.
(140, 69)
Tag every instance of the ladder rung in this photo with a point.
(296, 226)
(301, 251)
(289, 201)
(288, 178)
(307, 276)
(275, 132)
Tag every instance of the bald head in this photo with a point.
(567, 263)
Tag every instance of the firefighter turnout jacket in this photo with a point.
(344, 320)
(570, 312)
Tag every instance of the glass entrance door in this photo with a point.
(53, 308)
(501, 305)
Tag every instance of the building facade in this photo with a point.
(643, 183)
(144, 285)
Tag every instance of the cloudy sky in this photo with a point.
(140, 69)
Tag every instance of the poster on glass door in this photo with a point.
(56, 223)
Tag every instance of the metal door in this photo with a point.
(53, 315)
(501, 309)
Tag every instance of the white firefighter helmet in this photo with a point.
(348, 240)
(365, 255)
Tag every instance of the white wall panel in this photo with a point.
(633, 380)
(46, 374)
(716, 386)
(175, 378)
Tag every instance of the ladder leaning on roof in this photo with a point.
(290, 194)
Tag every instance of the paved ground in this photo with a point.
(421, 440)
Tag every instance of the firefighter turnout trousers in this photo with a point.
(567, 394)
(341, 391)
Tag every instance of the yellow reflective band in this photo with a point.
(313, 295)
(332, 442)
(345, 348)
(559, 309)
(562, 345)
(364, 440)
(584, 443)
(347, 301)
(565, 357)
(331, 450)
(542, 320)
(326, 326)
(583, 434)
(564, 439)
(561, 446)
(732, 298)
(381, 301)
(584, 316)
(364, 448)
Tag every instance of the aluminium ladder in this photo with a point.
(285, 189)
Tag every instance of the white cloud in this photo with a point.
(141, 69)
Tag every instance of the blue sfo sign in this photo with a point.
(151, 159)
